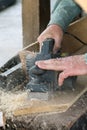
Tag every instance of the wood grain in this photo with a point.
(82, 3)
(59, 102)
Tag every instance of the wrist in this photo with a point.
(85, 58)
(56, 28)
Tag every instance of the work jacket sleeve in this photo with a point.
(64, 13)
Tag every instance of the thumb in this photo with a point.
(57, 46)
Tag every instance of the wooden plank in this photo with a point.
(77, 29)
(60, 101)
(19, 104)
(74, 116)
(30, 16)
(83, 4)
(34, 22)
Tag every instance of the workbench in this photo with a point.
(75, 118)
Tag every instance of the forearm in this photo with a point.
(64, 12)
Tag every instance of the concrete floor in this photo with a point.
(10, 32)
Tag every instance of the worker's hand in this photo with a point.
(69, 66)
(52, 31)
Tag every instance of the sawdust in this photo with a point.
(13, 101)
(9, 101)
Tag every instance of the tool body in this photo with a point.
(45, 81)
(41, 80)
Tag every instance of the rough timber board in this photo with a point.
(79, 29)
(60, 103)
(52, 121)
(18, 103)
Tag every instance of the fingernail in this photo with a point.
(60, 84)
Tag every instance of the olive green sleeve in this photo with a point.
(64, 12)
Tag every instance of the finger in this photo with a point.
(62, 76)
(57, 46)
(40, 39)
(52, 64)
(65, 74)
(43, 37)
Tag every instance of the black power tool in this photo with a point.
(45, 81)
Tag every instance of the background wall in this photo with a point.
(10, 32)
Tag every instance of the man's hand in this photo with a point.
(69, 66)
(55, 32)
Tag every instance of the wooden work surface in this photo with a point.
(18, 103)
(11, 104)
(54, 121)
(58, 102)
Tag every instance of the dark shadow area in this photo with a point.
(81, 123)
(6, 3)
